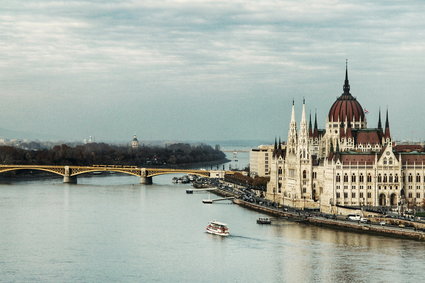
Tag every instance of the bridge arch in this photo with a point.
(80, 172)
(55, 171)
(152, 173)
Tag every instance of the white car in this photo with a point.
(353, 217)
(364, 220)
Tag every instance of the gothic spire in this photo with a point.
(346, 87)
(379, 119)
(292, 133)
(293, 112)
(310, 128)
(387, 127)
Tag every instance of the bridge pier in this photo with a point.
(70, 179)
(146, 180)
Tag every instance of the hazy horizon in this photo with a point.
(204, 69)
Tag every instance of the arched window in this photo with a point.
(390, 178)
(385, 178)
(410, 178)
(345, 177)
(338, 178)
(395, 178)
(280, 171)
(379, 178)
(418, 178)
(361, 178)
(353, 178)
(304, 174)
(390, 161)
(385, 161)
(369, 178)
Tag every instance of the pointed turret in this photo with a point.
(387, 134)
(292, 132)
(379, 119)
(310, 128)
(303, 136)
(346, 87)
(293, 112)
(316, 130)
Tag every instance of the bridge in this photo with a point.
(70, 173)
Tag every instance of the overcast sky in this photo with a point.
(206, 69)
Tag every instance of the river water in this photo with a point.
(112, 229)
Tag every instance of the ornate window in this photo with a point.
(395, 178)
(353, 178)
(338, 178)
(345, 177)
(390, 178)
(361, 178)
(418, 178)
(379, 178)
(385, 178)
(410, 178)
(369, 178)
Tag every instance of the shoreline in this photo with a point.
(366, 228)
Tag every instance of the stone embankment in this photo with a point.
(298, 216)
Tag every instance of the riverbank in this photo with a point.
(312, 219)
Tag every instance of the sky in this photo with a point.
(206, 69)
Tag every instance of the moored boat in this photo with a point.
(217, 228)
(264, 220)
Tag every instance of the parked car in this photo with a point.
(353, 217)
(364, 220)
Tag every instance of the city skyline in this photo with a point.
(205, 70)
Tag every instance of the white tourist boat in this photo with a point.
(217, 228)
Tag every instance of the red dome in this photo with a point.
(346, 107)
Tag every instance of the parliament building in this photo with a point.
(346, 164)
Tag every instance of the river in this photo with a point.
(112, 229)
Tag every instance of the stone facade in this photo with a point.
(346, 163)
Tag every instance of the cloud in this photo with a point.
(230, 50)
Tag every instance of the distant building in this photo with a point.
(134, 142)
(89, 140)
(344, 164)
(260, 160)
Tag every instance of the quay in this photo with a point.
(312, 219)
